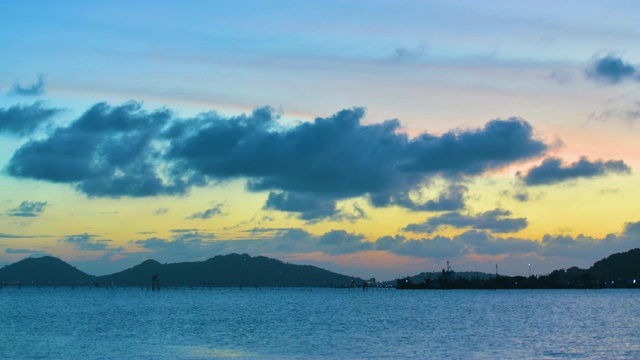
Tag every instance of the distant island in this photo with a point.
(219, 271)
(621, 270)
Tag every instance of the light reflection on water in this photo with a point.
(317, 323)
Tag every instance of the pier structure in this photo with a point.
(155, 283)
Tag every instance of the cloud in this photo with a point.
(189, 245)
(582, 248)
(29, 90)
(611, 69)
(309, 207)
(553, 170)
(28, 209)
(473, 152)
(107, 152)
(185, 244)
(561, 77)
(494, 220)
(29, 252)
(632, 229)
(450, 199)
(13, 236)
(179, 231)
(437, 247)
(408, 54)
(22, 120)
(306, 168)
(208, 214)
(87, 242)
(161, 211)
(483, 243)
(337, 242)
(198, 244)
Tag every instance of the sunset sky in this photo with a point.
(371, 138)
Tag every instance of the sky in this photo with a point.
(371, 138)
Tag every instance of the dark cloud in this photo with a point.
(208, 214)
(309, 207)
(495, 220)
(521, 195)
(29, 90)
(334, 157)
(185, 244)
(611, 69)
(28, 209)
(198, 244)
(307, 168)
(337, 242)
(450, 199)
(470, 242)
(483, 243)
(386, 243)
(22, 120)
(437, 247)
(473, 152)
(87, 242)
(589, 248)
(581, 247)
(553, 170)
(107, 152)
(632, 229)
(352, 216)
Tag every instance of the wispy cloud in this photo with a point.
(496, 220)
(25, 252)
(409, 54)
(554, 170)
(450, 199)
(88, 242)
(15, 236)
(28, 209)
(34, 89)
(216, 210)
(161, 211)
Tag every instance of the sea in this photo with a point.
(317, 323)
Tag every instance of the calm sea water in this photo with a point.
(317, 323)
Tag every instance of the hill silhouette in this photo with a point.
(621, 270)
(617, 270)
(227, 270)
(46, 270)
(620, 265)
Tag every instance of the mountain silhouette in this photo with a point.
(621, 269)
(619, 265)
(46, 270)
(227, 270)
